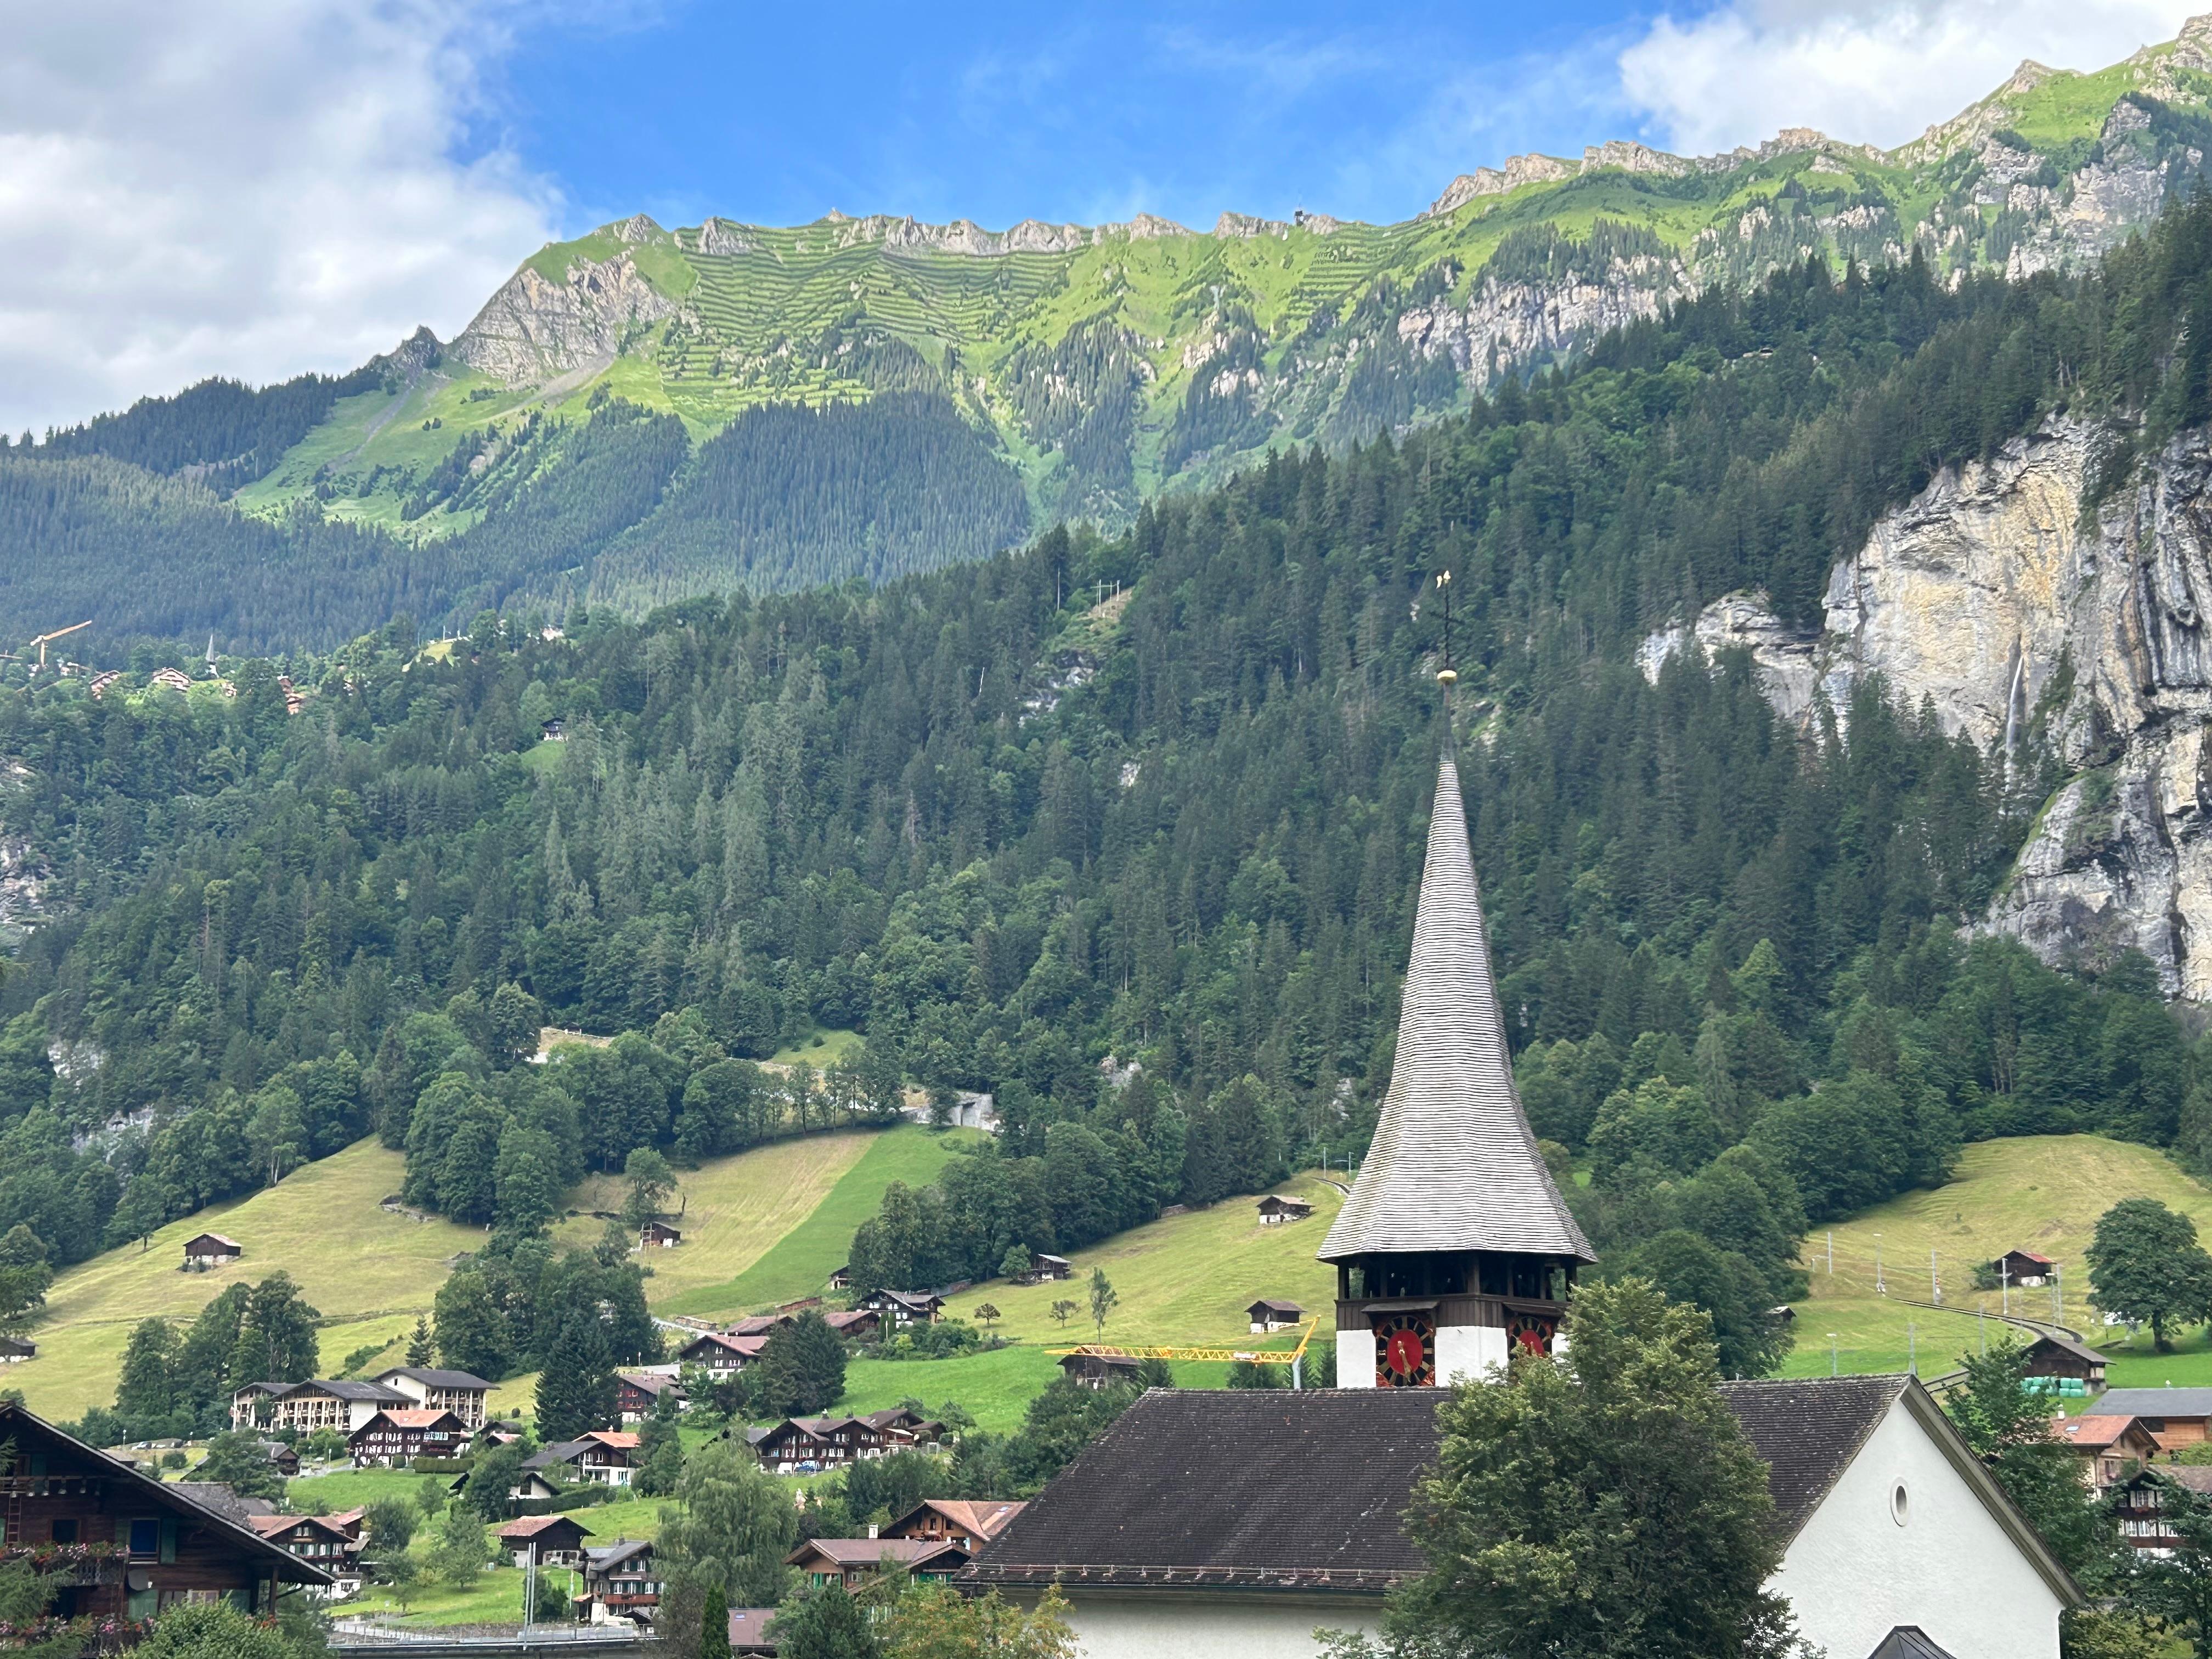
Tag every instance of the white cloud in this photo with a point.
(1875, 71)
(244, 187)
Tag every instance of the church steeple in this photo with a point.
(1454, 1245)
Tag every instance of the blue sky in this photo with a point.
(774, 115)
(256, 188)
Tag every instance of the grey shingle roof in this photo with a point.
(1807, 1431)
(2155, 1402)
(435, 1379)
(1907, 1642)
(1454, 1165)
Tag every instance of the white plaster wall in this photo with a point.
(1469, 1353)
(1197, 1625)
(1355, 1360)
(1853, 1574)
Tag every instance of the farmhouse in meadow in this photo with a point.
(550, 1540)
(657, 1236)
(2024, 1269)
(212, 1251)
(1276, 1208)
(1270, 1313)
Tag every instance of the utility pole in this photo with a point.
(1935, 1284)
(2057, 1298)
(1880, 1289)
(1911, 1349)
(2004, 1288)
(1831, 1252)
(1833, 1369)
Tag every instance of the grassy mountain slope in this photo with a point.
(967, 386)
(2040, 1192)
(370, 1271)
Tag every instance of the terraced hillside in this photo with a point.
(872, 395)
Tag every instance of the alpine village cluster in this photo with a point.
(927, 851)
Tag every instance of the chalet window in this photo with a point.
(65, 1532)
(145, 1538)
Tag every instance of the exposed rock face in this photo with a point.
(1985, 597)
(534, 329)
(1507, 325)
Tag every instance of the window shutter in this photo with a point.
(168, 1541)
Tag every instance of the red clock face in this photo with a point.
(1405, 1352)
(1530, 1334)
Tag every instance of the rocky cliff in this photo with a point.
(2034, 634)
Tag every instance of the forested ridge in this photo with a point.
(1159, 796)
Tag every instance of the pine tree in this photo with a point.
(577, 1389)
(419, 1350)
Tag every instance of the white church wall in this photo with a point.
(1211, 1627)
(1855, 1572)
(1355, 1360)
(1469, 1353)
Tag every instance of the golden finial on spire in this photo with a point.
(1447, 675)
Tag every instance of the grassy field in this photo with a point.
(802, 1258)
(821, 1049)
(368, 1271)
(735, 1210)
(2039, 1193)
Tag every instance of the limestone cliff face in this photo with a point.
(1506, 327)
(534, 329)
(1986, 596)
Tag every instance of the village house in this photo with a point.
(2112, 1448)
(2174, 1418)
(971, 1523)
(657, 1236)
(601, 1457)
(316, 1403)
(752, 1632)
(327, 1541)
(841, 1279)
(168, 1548)
(285, 1459)
(1268, 1314)
(802, 1445)
(851, 1562)
(759, 1324)
(2140, 1502)
(1277, 1208)
(457, 1392)
(550, 1540)
(637, 1392)
(171, 679)
(719, 1354)
(905, 1307)
(855, 1325)
(212, 1251)
(619, 1583)
(2024, 1269)
(1095, 1370)
(399, 1435)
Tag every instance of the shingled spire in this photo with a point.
(1454, 1165)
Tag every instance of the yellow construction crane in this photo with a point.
(41, 641)
(1256, 1356)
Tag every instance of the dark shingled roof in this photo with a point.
(1258, 1487)
(1268, 1489)
(1807, 1431)
(1907, 1642)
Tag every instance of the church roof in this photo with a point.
(1454, 1165)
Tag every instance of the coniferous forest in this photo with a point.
(1159, 796)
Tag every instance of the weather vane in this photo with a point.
(1446, 675)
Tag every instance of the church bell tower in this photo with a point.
(1455, 1249)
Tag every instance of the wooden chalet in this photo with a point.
(765, 1324)
(855, 1324)
(2174, 1418)
(2140, 1502)
(620, 1582)
(804, 1445)
(657, 1236)
(851, 1562)
(401, 1434)
(971, 1523)
(131, 1546)
(905, 1307)
(2025, 1269)
(458, 1392)
(212, 1251)
(603, 1457)
(171, 679)
(638, 1392)
(1096, 1370)
(13, 1350)
(550, 1540)
(2111, 1447)
(841, 1279)
(720, 1354)
(1277, 1208)
(1269, 1314)
(2056, 1356)
(331, 1542)
(1044, 1268)
(316, 1403)
(285, 1459)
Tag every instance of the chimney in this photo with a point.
(871, 1529)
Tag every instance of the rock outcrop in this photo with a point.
(535, 329)
(1506, 326)
(1987, 600)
